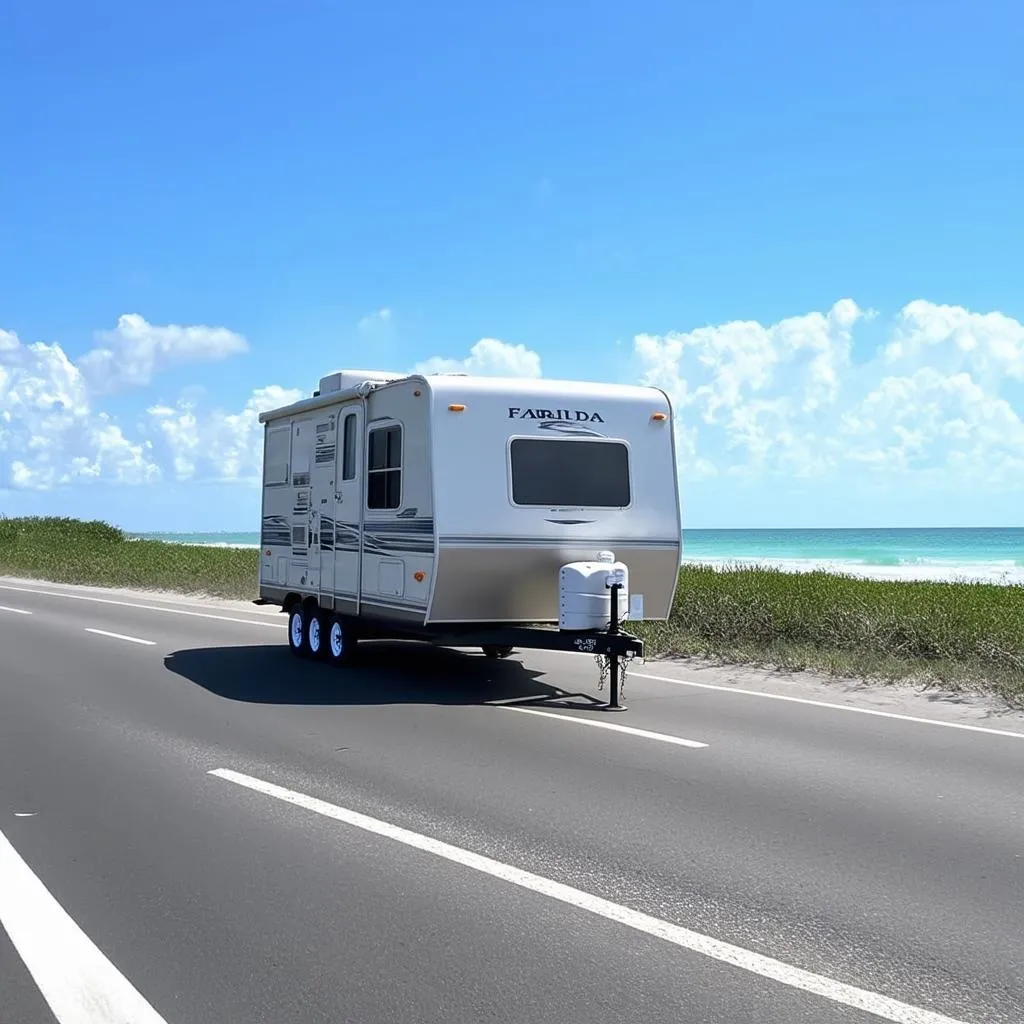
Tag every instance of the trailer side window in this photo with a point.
(348, 465)
(570, 473)
(275, 456)
(302, 449)
(384, 472)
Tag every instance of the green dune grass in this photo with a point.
(962, 635)
(97, 554)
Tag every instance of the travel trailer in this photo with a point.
(469, 511)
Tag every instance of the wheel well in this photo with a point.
(290, 602)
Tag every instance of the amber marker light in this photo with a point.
(456, 408)
(419, 576)
(658, 416)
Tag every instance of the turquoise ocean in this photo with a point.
(990, 554)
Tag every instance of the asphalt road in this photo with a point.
(468, 861)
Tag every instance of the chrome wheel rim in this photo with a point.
(337, 639)
(314, 635)
(296, 629)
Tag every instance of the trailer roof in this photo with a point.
(453, 384)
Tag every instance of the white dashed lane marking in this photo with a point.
(120, 636)
(629, 730)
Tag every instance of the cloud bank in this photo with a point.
(54, 430)
(936, 398)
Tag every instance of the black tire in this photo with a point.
(315, 631)
(496, 651)
(339, 640)
(297, 631)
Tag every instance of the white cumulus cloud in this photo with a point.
(135, 351)
(488, 357)
(49, 432)
(53, 430)
(213, 444)
(788, 399)
(375, 321)
(987, 343)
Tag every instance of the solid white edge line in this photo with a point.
(755, 963)
(14, 611)
(634, 674)
(140, 607)
(120, 636)
(80, 985)
(834, 707)
(628, 729)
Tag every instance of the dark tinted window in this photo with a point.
(384, 473)
(348, 449)
(386, 447)
(565, 473)
(384, 489)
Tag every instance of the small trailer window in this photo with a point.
(275, 456)
(570, 473)
(384, 472)
(302, 449)
(348, 465)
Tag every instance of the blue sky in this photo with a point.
(562, 177)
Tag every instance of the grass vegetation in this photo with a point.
(961, 635)
(97, 554)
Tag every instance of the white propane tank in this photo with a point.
(584, 596)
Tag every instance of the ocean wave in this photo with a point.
(868, 562)
(1002, 571)
(192, 543)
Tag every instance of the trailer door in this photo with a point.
(321, 541)
(348, 506)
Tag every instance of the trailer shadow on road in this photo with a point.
(383, 672)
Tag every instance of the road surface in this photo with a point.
(196, 827)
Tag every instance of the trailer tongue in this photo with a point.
(593, 595)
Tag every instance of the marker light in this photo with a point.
(419, 576)
(456, 408)
(658, 416)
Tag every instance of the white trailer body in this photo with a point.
(451, 500)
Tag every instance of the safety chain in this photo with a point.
(604, 663)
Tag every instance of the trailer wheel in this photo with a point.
(496, 651)
(314, 632)
(297, 631)
(340, 640)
